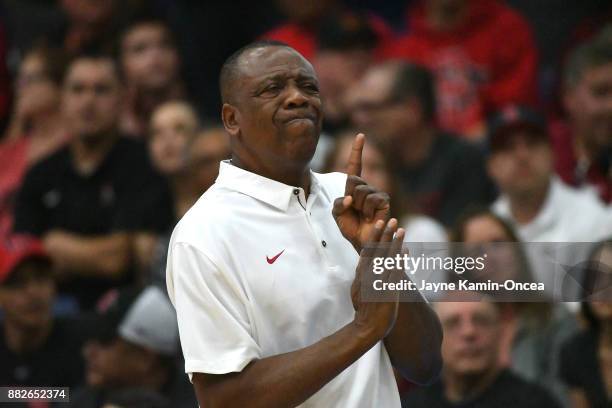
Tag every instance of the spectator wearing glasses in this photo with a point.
(395, 104)
(472, 375)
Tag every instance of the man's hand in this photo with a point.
(377, 319)
(362, 205)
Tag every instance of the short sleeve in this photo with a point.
(214, 328)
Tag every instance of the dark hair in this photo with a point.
(229, 69)
(593, 54)
(457, 235)
(144, 17)
(95, 54)
(588, 282)
(412, 81)
(346, 31)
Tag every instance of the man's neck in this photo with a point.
(459, 388)
(525, 207)
(298, 176)
(22, 340)
(88, 154)
(417, 146)
(606, 334)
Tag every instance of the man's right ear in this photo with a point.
(231, 119)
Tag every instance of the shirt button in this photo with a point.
(324, 243)
(296, 191)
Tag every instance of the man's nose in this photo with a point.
(295, 98)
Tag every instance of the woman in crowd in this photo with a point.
(35, 129)
(586, 358)
(534, 328)
(376, 171)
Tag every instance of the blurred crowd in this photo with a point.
(486, 120)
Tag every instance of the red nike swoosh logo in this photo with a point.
(273, 259)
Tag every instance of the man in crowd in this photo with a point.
(347, 46)
(134, 348)
(461, 42)
(395, 104)
(472, 375)
(36, 348)
(150, 63)
(95, 200)
(258, 264)
(539, 205)
(583, 146)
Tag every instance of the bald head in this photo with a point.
(230, 71)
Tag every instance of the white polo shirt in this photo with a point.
(255, 270)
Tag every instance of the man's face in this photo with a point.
(116, 364)
(523, 164)
(149, 59)
(589, 105)
(471, 337)
(28, 299)
(373, 111)
(275, 116)
(172, 126)
(338, 71)
(91, 98)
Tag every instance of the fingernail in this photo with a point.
(379, 224)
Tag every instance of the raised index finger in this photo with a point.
(353, 168)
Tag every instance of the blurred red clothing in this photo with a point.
(597, 175)
(487, 62)
(303, 39)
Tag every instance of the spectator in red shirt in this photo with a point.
(301, 31)
(482, 54)
(36, 128)
(583, 144)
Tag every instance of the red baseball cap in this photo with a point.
(16, 249)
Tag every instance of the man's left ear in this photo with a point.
(231, 119)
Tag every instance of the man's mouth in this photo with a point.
(300, 118)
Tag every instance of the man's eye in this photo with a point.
(311, 87)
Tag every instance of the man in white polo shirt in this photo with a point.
(263, 276)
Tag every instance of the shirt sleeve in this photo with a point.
(214, 328)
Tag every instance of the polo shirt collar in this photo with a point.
(271, 192)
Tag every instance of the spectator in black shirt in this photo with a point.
(472, 376)
(36, 349)
(97, 202)
(586, 358)
(395, 104)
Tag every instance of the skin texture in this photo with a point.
(27, 306)
(522, 169)
(121, 364)
(470, 347)
(148, 57)
(173, 126)
(589, 104)
(274, 122)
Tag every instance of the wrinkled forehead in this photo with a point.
(261, 63)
